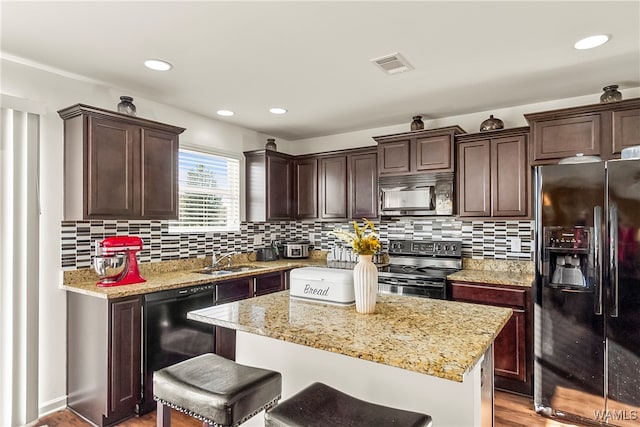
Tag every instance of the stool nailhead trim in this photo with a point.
(199, 417)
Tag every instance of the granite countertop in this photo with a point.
(176, 274)
(495, 272)
(440, 338)
(162, 280)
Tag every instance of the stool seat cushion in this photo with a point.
(320, 405)
(217, 390)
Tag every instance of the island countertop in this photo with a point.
(435, 337)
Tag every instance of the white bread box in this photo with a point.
(326, 285)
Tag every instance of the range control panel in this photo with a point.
(425, 248)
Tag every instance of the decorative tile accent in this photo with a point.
(480, 239)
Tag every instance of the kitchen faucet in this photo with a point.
(215, 260)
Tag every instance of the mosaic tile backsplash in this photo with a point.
(480, 239)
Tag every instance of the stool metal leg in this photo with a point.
(163, 415)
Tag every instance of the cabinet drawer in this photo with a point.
(268, 283)
(488, 294)
(233, 290)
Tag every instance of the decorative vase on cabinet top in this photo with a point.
(417, 123)
(492, 123)
(365, 283)
(610, 94)
(126, 106)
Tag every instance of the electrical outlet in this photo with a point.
(257, 239)
(311, 239)
(516, 244)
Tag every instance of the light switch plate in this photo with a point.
(516, 244)
(257, 239)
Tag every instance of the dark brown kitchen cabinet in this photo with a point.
(348, 184)
(494, 174)
(512, 349)
(118, 166)
(269, 283)
(592, 130)
(363, 185)
(333, 187)
(239, 289)
(103, 357)
(417, 151)
(269, 186)
(306, 188)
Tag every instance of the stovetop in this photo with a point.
(424, 258)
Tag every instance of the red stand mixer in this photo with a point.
(113, 252)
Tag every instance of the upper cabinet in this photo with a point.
(118, 166)
(493, 174)
(306, 187)
(269, 184)
(348, 184)
(417, 151)
(593, 130)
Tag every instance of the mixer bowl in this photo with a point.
(104, 265)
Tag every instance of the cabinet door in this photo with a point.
(363, 185)
(306, 188)
(626, 129)
(159, 186)
(393, 157)
(268, 283)
(333, 187)
(434, 153)
(474, 186)
(234, 290)
(509, 348)
(509, 171)
(124, 372)
(279, 188)
(109, 170)
(565, 137)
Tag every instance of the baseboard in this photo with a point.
(51, 406)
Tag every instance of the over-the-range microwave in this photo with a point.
(417, 195)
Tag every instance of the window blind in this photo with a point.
(209, 193)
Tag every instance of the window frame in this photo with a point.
(174, 225)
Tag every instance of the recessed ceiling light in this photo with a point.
(226, 113)
(591, 42)
(158, 64)
(278, 110)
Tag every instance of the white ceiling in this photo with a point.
(313, 57)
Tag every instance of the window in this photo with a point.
(209, 193)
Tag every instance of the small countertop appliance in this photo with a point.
(116, 252)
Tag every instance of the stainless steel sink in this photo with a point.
(227, 270)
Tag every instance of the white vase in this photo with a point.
(365, 283)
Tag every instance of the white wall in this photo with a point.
(512, 117)
(53, 91)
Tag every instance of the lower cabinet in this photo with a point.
(239, 289)
(103, 357)
(512, 349)
(104, 347)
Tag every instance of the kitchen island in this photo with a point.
(418, 354)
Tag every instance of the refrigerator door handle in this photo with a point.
(597, 249)
(613, 258)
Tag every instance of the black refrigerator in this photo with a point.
(587, 311)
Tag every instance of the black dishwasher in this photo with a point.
(168, 337)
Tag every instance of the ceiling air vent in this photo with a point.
(392, 64)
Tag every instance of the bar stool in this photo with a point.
(320, 405)
(217, 391)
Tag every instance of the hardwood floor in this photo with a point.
(511, 410)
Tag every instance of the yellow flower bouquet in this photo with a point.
(361, 242)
